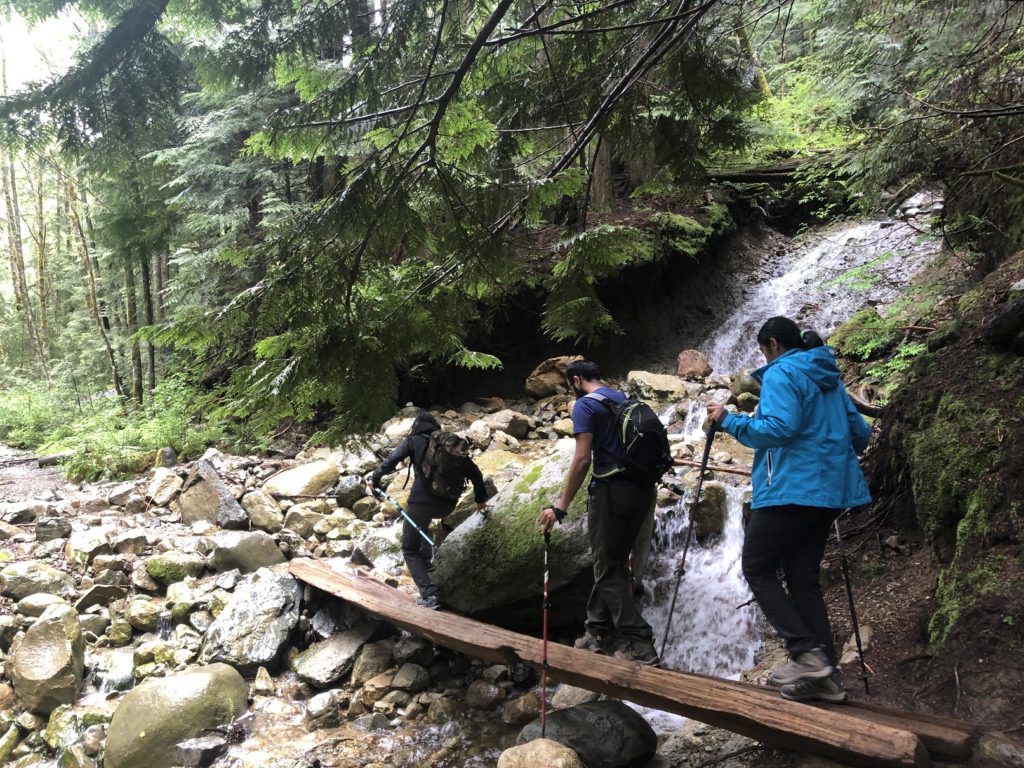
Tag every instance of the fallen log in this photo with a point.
(837, 735)
(716, 467)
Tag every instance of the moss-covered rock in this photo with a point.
(865, 336)
(172, 567)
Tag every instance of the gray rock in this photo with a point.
(374, 659)
(483, 695)
(118, 495)
(301, 520)
(142, 614)
(510, 422)
(414, 650)
(163, 487)
(349, 490)
(545, 752)
(412, 678)
(521, 710)
(46, 666)
(655, 386)
(129, 542)
(605, 734)
(36, 605)
(52, 528)
(153, 718)
(205, 497)
(201, 752)
(28, 577)
(83, 546)
(247, 552)
(102, 594)
(324, 710)
(309, 479)
(166, 457)
(263, 511)
(328, 661)
(254, 626)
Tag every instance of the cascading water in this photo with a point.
(715, 630)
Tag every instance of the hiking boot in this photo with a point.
(811, 664)
(828, 688)
(637, 650)
(590, 642)
(430, 601)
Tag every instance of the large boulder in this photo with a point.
(485, 562)
(246, 551)
(548, 378)
(657, 387)
(309, 479)
(206, 498)
(510, 422)
(605, 734)
(30, 577)
(161, 712)
(692, 364)
(46, 664)
(254, 626)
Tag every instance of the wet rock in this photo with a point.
(253, 628)
(206, 498)
(376, 688)
(997, 750)
(605, 734)
(171, 567)
(412, 678)
(93, 738)
(8, 741)
(655, 387)
(163, 487)
(325, 710)
(28, 577)
(548, 378)
(371, 722)
(62, 728)
(45, 666)
(36, 605)
(263, 684)
(94, 625)
(691, 364)
(374, 659)
(521, 710)
(414, 650)
(201, 752)
(330, 660)
(101, 594)
(263, 511)
(483, 695)
(247, 552)
(444, 709)
(570, 696)
(545, 752)
(76, 757)
(309, 479)
(510, 422)
(142, 614)
(52, 528)
(162, 712)
(710, 514)
(349, 490)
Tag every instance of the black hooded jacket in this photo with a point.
(413, 447)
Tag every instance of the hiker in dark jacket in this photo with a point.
(806, 434)
(424, 505)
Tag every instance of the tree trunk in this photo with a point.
(601, 193)
(91, 299)
(42, 268)
(132, 322)
(147, 307)
(748, 49)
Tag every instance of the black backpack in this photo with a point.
(642, 436)
(442, 468)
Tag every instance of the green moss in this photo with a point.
(864, 336)
(172, 567)
(969, 302)
(680, 234)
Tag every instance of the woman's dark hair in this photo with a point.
(788, 334)
(585, 369)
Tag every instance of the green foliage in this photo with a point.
(865, 336)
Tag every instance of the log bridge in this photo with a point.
(855, 733)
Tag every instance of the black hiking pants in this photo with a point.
(418, 553)
(617, 512)
(790, 539)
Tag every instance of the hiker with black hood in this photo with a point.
(432, 495)
(806, 434)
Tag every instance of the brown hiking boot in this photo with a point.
(637, 650)
(591, 642)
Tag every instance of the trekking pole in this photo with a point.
(712, 429)
(381, 495)
(544, 647)
(853, 611)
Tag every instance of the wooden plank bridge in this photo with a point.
(855, 733)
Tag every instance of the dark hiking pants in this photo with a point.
(417, 552)
(617, 512)
(791, 539)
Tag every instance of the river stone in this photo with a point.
(445, 709)
(45, 666)
(83, 546)
(161, 712)
(28, 577)
(132, 542)
(548, 378)
(380, 548)
(172, 567)
(656, 387)
(349, 490)
(201, 752)
(163, 487)
(206, 498)
(8, 741)
(605, 734)
(254, 626)
(36, 605)
(373, 659)
(324, 710)
(52, 528)
(744, 382)
(510, 422)
(330, 660)
(691, 364)
(710, 514)
(412, 678)
(570, 696)
(309, 479)
(142, 614)
(247, 552)
(414, 650)
(101, 594)
(376, 688)
(540, 752)
(302, 519)
(483, 695)
(263, 511)
(480, 565)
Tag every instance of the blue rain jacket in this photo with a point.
(806, 434)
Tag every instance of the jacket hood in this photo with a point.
(818, 364)
(424, 424)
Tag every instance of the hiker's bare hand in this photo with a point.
(548, 519)
(716, 412)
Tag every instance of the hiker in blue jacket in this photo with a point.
(806, 434)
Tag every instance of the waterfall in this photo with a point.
(715, 630)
